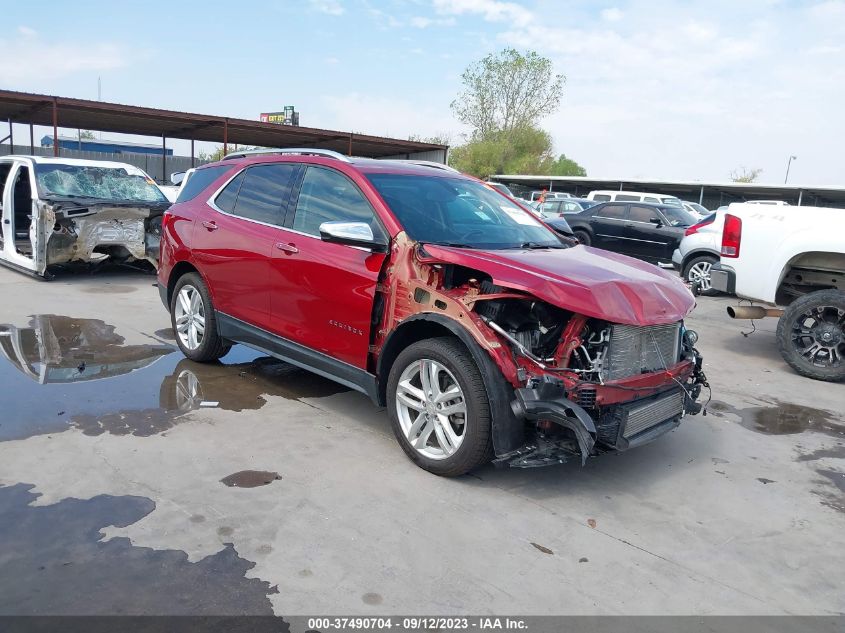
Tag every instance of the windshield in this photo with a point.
(501, 189)
(117, 184)
(460, 212)
(675, 202)
(678, 217)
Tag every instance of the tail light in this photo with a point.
(731, 236)
(694, 228)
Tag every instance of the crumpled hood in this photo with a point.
(584, 280)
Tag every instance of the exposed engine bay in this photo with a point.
(97, 232)
(583, 367)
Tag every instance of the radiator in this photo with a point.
(645, 416)
(635, 350)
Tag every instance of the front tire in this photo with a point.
(193, 320)
(583, 237)
(438, 407)
(811, 335)
(697, 270)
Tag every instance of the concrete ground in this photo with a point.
(135, 481)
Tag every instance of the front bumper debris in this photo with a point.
(567, 430)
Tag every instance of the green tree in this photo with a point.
(564, 166)
(507, 91)
(526, 150)
(86, 134)
(745, 175)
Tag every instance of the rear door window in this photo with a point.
(225, 200)
(602, 197)
(612, 211)
(622, 197)
(328, 196)
(265, 192)
(642, 214)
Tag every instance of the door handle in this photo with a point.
(210, 225)
(287, 248)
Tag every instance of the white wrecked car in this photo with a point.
(64, 210)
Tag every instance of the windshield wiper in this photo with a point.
(537, 246)
(453, 244)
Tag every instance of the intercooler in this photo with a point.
(633, 350)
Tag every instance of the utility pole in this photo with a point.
(791, 158)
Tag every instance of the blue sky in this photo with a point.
(672, 89)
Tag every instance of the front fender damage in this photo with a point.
(562, 396)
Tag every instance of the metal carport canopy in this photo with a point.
(38, 109)
(689, 190)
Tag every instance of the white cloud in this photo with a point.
(329, 7)
(28, 60)
(612, 14)
(691, 90)
(387, 116)
(490, 10)
(423, 22)
(331, 60)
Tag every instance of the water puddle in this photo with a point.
(784, 418)
(250, 478)
(79, 372)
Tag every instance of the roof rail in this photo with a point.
(302, 151)
(427, 163)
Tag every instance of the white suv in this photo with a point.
(633, 196)
(699, 250)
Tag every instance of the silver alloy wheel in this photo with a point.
(700, 274)
(189, 316)
(432, 409)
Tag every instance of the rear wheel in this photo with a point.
(697, 272)
(811, 335)
(193, 320)
(583, 237)
(438, 407)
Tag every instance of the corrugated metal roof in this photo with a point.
(22, 107)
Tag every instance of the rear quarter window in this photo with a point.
(199, 182)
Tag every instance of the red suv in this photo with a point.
(484, 334)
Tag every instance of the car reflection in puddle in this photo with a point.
(67, 372)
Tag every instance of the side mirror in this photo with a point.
(657, 222)
(351, 234)
(177, 177)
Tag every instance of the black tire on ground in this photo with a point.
(790, 323)
(212, 347)
(583, 237)
(711, 259)
(476, 448)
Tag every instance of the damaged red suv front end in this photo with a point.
(584, 351)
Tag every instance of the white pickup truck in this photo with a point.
(792, 257)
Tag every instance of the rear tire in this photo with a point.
(698, 269)
(583, 237)
(194, 322)
(436, 398)
(811, 335)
